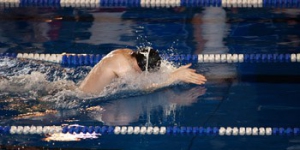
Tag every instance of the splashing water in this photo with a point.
(48, 82)
(34, 80)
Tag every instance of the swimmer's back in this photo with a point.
(119, 52)
(115, 64)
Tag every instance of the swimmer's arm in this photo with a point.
(182, 74)
(97, 80)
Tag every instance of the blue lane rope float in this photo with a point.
(92, 59)
(151, 130)
(153, 3)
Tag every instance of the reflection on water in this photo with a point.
(119, 111)
(109, 28)
(210, 30)
(28, 31)
(125, 111)
(184, 30)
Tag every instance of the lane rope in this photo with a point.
(92, 59)
(152, 3)
(155, 130)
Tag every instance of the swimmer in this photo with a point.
(126, 62)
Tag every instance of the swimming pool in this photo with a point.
(260, 93)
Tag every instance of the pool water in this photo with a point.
(253, 94)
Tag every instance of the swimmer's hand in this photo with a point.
(187, 75)
(182, 74)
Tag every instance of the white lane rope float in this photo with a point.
(152, 3)
(151, 130)
(92, 59)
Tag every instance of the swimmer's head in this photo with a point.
(147, 59)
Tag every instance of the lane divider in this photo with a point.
(152, 3)
(149, 130)
(92, 59)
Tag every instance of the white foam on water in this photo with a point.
(32, 81)
(6, 62)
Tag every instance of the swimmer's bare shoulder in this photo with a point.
(121, 51)
(112, 59)
(112, 66)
